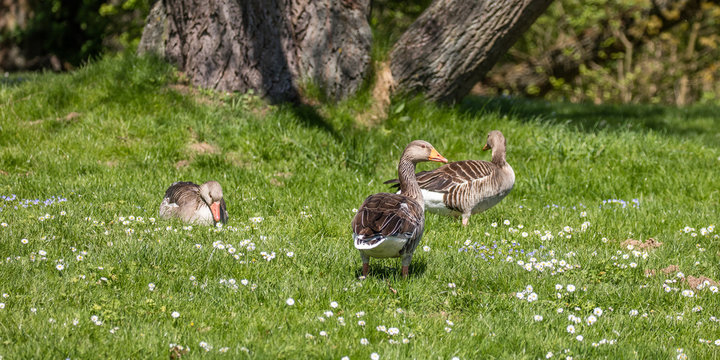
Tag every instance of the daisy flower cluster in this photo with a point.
(624, 260)
(396, 337)
(541, 261)
(527, 294)
(708, 231)
(635, 203)
(493, 250)
(234, 284)
(710, 342)
(564, 290)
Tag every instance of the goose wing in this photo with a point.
(452, 175)
(182, 192)
(383, 215)
(455, 174)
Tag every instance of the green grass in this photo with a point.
(303, 170)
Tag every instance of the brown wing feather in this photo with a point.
(182, 192)
(454, 174)
(388, 215)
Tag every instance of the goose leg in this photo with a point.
(365, 264)
(465, 219)
(406, 265)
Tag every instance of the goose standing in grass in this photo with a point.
(467, 187)
(391, 225)
(195, 204)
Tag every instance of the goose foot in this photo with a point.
(365, 269)
(465, 220)
(405, 271)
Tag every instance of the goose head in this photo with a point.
(495, 139)
(211, 193)
(420, 150)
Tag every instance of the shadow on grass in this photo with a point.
(311, 118)
(591, 118)
(379, 270)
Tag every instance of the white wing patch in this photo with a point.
(434, 202)
(387, 247)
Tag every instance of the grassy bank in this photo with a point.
(89, 272)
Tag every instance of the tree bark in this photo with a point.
(269, 46)
(454, 43)
(589, 47)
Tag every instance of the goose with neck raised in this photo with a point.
(463, 188)
(196, 204)
(391, 225)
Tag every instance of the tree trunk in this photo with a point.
(269, 46)
(454, 43)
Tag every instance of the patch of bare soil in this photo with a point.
(384, 84)
(238, 159)
(70, 117)
(178, 351)
(181, 164)
(203, 148)
(694, 282)
(637, 244)
(666, 270)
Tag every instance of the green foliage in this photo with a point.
(78, 30)
(389, 19)
(303, 170)
(678, 66)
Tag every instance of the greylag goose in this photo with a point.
(195, 204)
(467, 187)
(391, 225)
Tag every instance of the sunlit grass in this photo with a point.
(98, 275)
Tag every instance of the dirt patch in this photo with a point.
(666, 270)
(109, 163)
(203, 148)
(238, 159)
(637, 244)
(283, 174)
(384, 84)
(181, 164)
(670, 269)
(199, 148)
(694, 282)
(178, 351)
(70, 117)
(277, 182)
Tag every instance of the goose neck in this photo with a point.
(408, 182)
(498, 155)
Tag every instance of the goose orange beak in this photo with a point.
(486, 147)
(435, 156)
(215, 209)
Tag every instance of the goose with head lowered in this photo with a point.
(391, 225)
(463, 188)
(195, 204)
